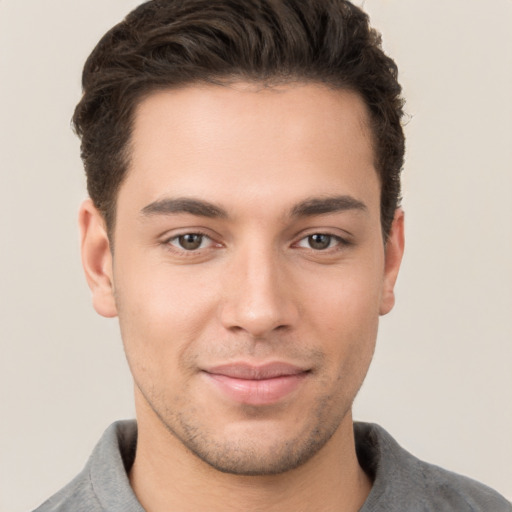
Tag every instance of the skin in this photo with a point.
(290, 266)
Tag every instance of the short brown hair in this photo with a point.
(172, 43)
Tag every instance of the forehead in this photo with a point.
(306, 110)
(249, 140)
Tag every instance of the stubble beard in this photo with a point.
(250, 455)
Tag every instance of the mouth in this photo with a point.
(256, 384)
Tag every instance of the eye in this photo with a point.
(320, 241)
(190, 241)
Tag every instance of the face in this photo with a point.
(249, 268)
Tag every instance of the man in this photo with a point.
(243, 163)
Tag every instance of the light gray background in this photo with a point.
(441, 381)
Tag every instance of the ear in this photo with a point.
(394, 251)
(97, 259)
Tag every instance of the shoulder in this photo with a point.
(403, 482)
(103, 484)
(442, 488)
(77, 496)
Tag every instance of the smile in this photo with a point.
(256, 385)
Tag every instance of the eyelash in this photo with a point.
(340, 243)
(168, 242)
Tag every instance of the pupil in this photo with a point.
(190, 241)
(319, 241)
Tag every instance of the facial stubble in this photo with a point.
(249, 455)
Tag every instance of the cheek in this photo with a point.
(343, 316)
(162, 310)
(345, 298)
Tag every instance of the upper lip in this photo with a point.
(256, 372)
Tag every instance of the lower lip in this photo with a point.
(257, 392)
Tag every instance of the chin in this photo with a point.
(253, 459)
(257, 447)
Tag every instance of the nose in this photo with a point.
(258, 294)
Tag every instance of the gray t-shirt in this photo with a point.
(401, 482)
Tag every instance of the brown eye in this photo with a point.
(190, 241)
(319, 241)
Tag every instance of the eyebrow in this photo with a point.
(307, 208)
(184, 205)
(325, 205)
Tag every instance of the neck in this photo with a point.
(167, 476)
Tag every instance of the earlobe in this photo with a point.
(394, 251)
(97, 259)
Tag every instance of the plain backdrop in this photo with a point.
(441, 380)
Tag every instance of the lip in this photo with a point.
(256, 384)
